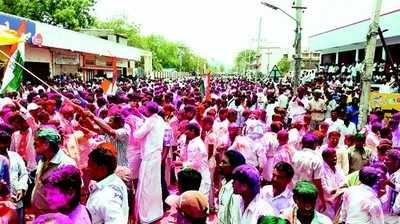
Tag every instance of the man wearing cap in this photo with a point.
(47, 142)
(246, 183)
(305, 196)
(317, 108)
(359, 154)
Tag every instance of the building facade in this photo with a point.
(52, 50)
(346, 44)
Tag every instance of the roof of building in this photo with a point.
(57, 37)
(101, 32)
(355, 33)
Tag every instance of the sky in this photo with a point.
(219, 29)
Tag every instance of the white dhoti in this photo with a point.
(149, 204)
(134, 160)
(205, 185)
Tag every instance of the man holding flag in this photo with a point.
(205, 86)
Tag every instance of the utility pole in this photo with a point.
(297, 66)
(258, 56)
(369, 63)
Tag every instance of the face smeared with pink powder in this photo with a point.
(56, 199)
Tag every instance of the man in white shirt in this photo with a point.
(317, 109)
(307, 165)
(220, 126)
(342, 153)
(246, 183)
(245, 146)
(295, 135)
(283, 98)
(116, 133)
(373, 138)
(270, 142)
(332, 179)
(229, 203)
(305, 196)
(334, 121)
(278, 193)
(360, 203)
(347, 128)
(297, 106)
(149, 203)
(196, 157)
(18, 173)
(108, 199)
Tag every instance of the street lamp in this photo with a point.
(297, 42)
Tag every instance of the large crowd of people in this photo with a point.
(164, 151)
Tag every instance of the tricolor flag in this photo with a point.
(13, 73)
(110, 88)
(205, 86)
(115, 76)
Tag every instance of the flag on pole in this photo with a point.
(105, 85)
(115, 76)
(13, 74)
(205, 86)
(110, 88)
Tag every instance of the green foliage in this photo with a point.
(284, 65)
(245, 60)
(77, 14)
(70, 14)
(166, 54)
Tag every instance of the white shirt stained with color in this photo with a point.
(258, 207)
(229, 204)
(307, 165)
(279, 202)
(108, 201)
(361, 206)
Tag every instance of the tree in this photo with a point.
(166, 54)
(245, 60)
(284, 65)
(69, 14)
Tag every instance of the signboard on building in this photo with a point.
(13, 22)
(66, 59)
(101, 62)
(385, 101)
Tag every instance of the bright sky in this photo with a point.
(219, 29)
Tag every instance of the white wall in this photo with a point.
(35, 54)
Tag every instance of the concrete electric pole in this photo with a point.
(297, 42)
(297, 66)
(369, 64)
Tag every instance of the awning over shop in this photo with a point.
(57, 37)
